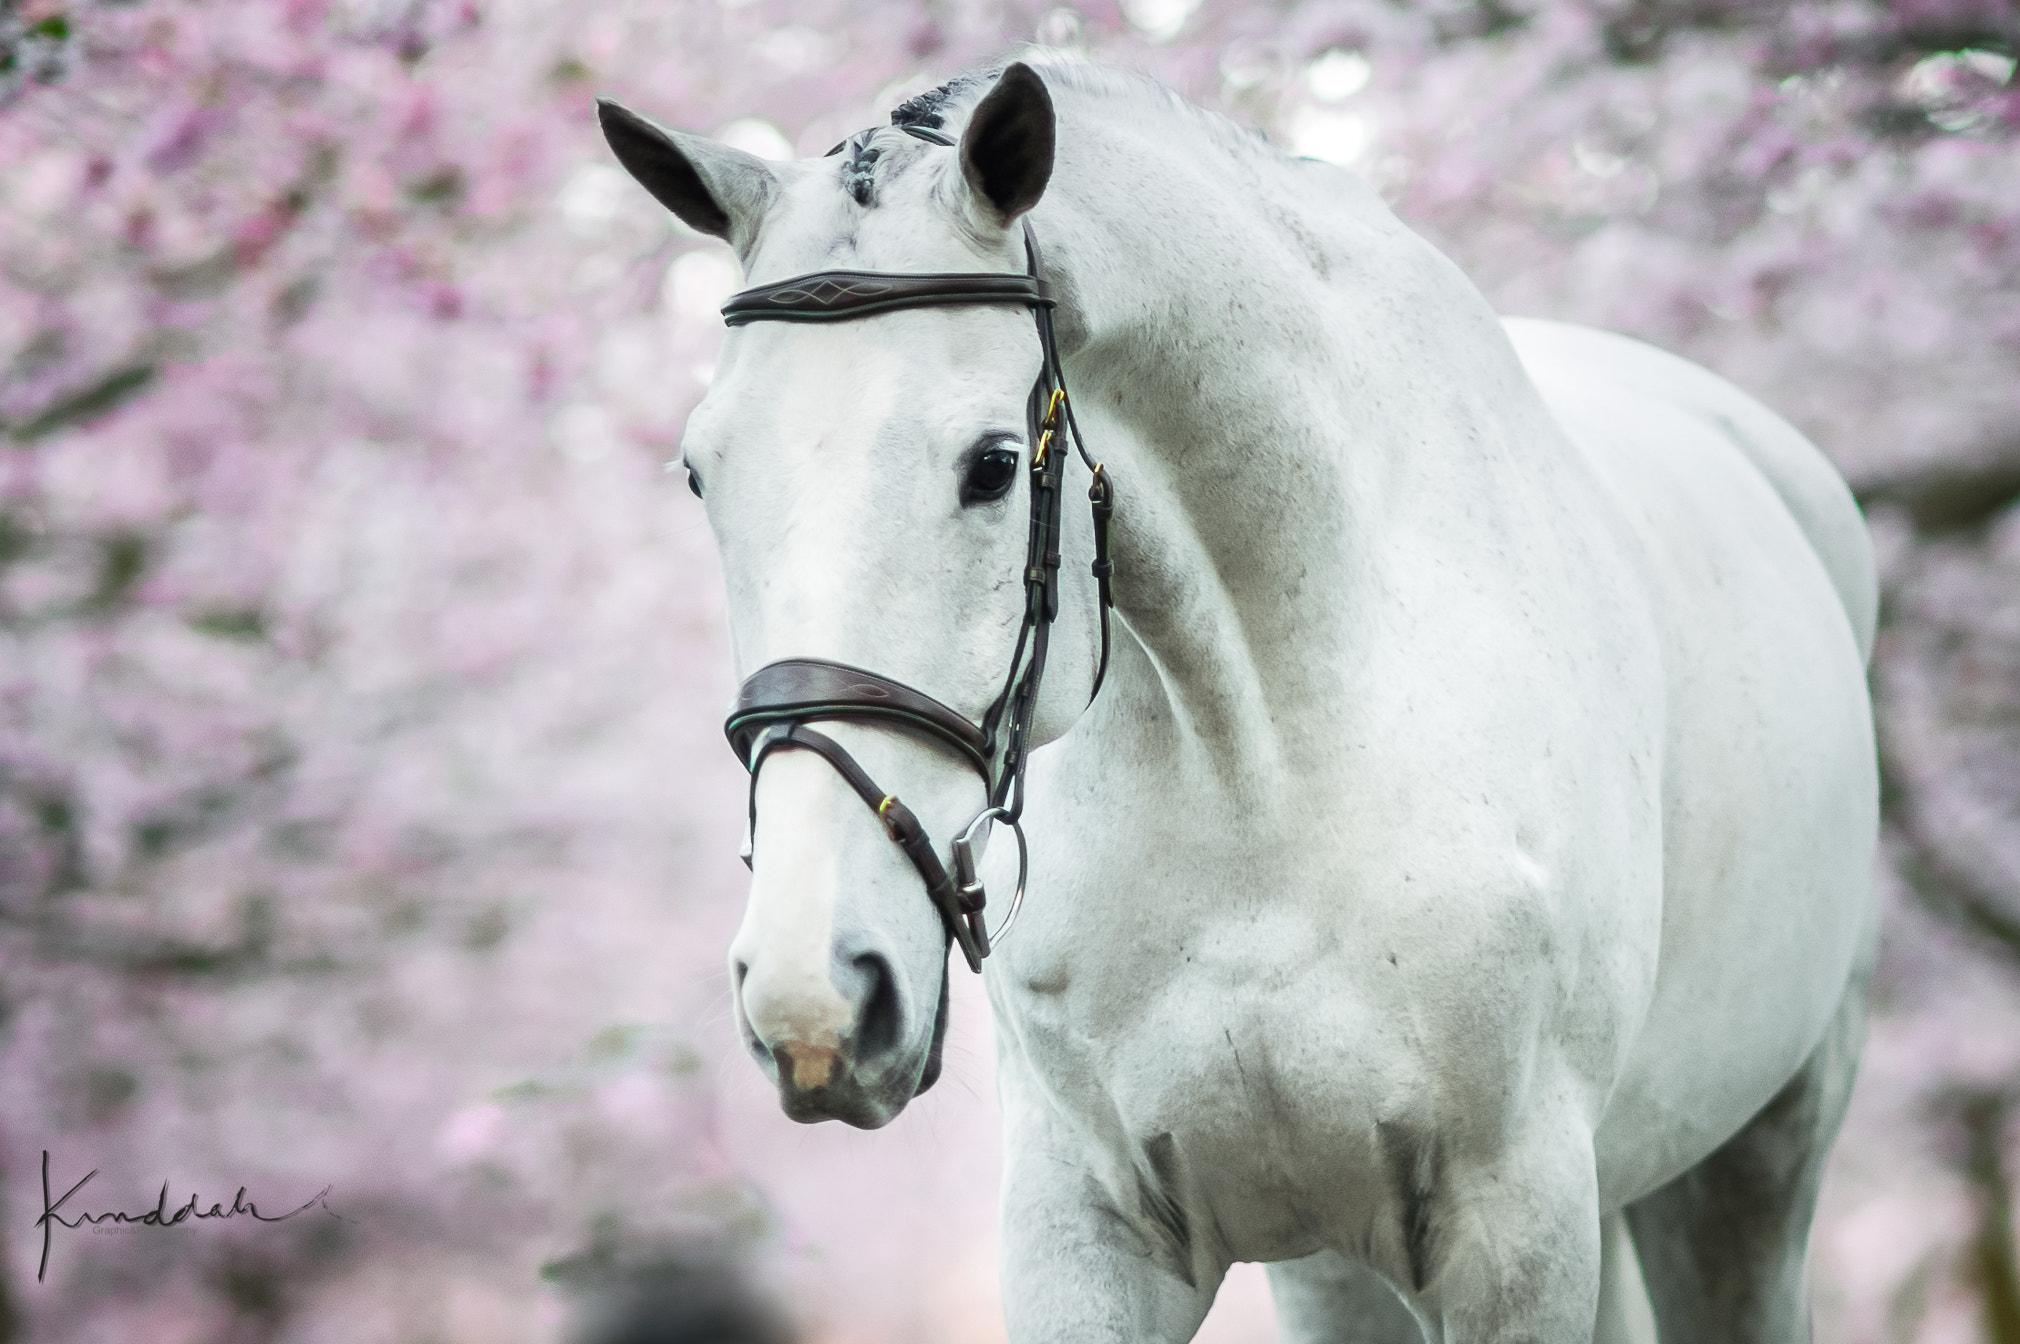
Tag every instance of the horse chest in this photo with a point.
(1248, 1100)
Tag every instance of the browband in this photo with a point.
(834, 296)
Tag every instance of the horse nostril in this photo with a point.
(739, 971)
(879, 1023)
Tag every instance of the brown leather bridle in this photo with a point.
(776, 702)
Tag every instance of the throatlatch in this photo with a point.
(776, 702)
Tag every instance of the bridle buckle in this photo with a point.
(1048, 429)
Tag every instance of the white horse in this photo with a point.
(1469, 852)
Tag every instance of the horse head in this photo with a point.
(871, 484)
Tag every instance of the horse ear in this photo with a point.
(711, 187)
(1006, 150)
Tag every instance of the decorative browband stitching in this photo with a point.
(834, 296)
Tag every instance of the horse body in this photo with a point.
(1498, 760)
(1472, 838)
(1758, 566)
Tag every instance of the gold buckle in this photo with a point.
(1048, 427)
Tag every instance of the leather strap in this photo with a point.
(796, 689)
(900, 823)
(836, 296)
(1101, 495)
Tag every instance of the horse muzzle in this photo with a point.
(853, 1053)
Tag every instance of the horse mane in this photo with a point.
(1116, 93)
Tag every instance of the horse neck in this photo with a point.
(1291, 382)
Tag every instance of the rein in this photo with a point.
(776, 702)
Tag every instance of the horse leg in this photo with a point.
(1723, 1246)
(1079, 1266)
(1505, 1248)
(1624, 1316)
(1329, 1299)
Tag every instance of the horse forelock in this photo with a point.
(859, 170)
(862, 153)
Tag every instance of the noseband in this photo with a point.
(776, 702)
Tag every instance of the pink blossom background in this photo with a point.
(364, 818)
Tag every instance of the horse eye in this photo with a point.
(694, 482)
(990, 475)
